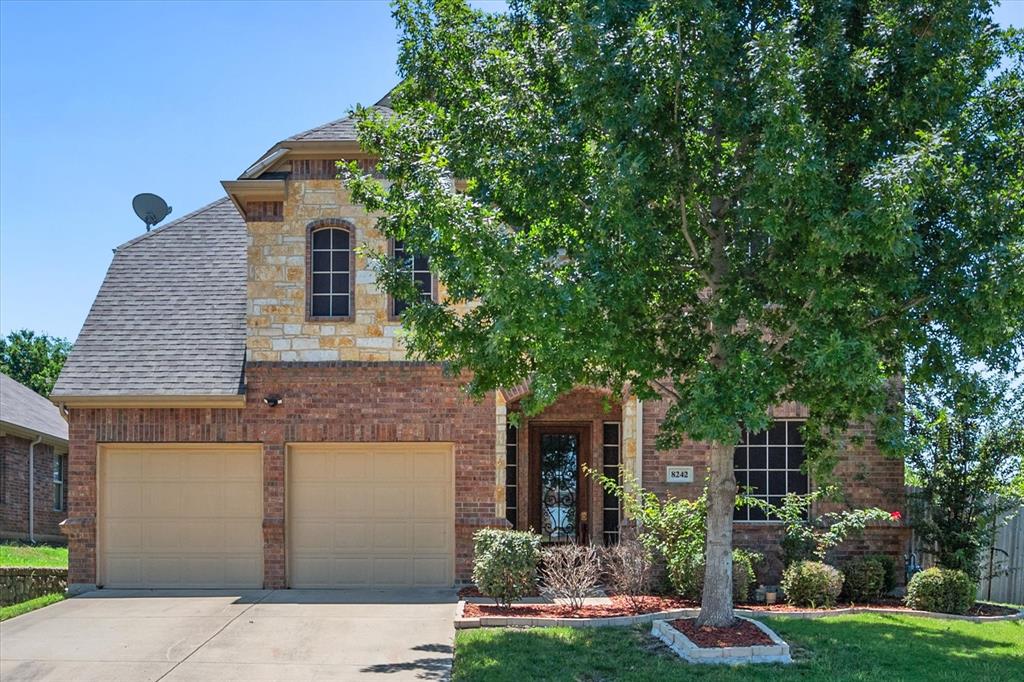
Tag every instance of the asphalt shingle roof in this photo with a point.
(341, 130)
(169, 318)
(22, 407)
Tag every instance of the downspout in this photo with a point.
(32, 488)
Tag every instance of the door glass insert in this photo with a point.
(559, 486)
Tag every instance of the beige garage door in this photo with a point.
(181, 516)
(370, 515)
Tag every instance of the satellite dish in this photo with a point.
(150, 208)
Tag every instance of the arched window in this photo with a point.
(418, 268)
(331, 269)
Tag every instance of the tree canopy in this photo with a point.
(34, 360)
(728, 204)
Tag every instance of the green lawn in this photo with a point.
(858, 647)
(38, 555)
(30, 605)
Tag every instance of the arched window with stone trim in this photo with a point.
(330, 284)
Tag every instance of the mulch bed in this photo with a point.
(990, 610)
(620, 606)
(741, 633)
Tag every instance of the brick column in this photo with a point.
(273, 516)
(80, 526)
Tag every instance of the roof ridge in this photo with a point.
(177, 221)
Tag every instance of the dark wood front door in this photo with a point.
(558, 490)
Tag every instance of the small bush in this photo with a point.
(812, 583)
(686, 575)
(865, 579)
(944, 590)
(571, 572)
(889, 566)
(629, 570)
(505, 563)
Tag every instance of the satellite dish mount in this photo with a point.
(150, 208)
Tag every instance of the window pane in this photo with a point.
(339, 306)
(739, 458)
(57, 473)
(321, 261)
(340, 239)
(58, 496)
(321, 306)
(758, 458)
(511, 515)
(777, 434)
(511, 454)
(399, 306)
(611, 519)
(322, 239)
(420, 263)
(756, 514)
(741, 479)
(611, 455)
(611, 434)
(797, 482)
(776, 482)
(776, 458)
(340, 261)
(510, 475)
(321, 284)
(739, 514)
(796, 458)
(758, 481)
(339, 284)
(759, 438)
(399, 250)
(795, 437)
(423, 282)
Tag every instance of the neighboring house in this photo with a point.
(243, 414)
(33, 465)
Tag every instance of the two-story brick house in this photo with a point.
(242, 413)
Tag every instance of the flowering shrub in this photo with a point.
(811, 583)
(945, 590)
(505, 563)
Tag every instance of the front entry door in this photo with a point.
(558, 489)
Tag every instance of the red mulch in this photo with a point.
(741, 633)
(620, 606)
(990, 610)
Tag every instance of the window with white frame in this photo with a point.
(768, 463)
(330, 287)
(610, 467)
(418, 268)
(60, 470)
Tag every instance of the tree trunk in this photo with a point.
(716, 602)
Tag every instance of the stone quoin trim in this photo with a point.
(311, 228)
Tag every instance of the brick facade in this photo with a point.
(321, 402)
(14, 495)
(867, 479)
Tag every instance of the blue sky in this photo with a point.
(102, 100)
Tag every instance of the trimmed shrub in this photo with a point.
(945, 590)
(812, 583)
(505, 563)
(629, 570)
(889, 567)
(865, 579)
(686, 574)
(571, 572)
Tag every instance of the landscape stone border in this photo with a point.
(464, 623)
(776, 652)
(21, 583)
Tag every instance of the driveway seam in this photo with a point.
(210, 638)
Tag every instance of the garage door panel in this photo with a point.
(390, 509)
(181, 516)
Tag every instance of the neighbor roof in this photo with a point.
(26, 410)
(341, 130)
(169, 318)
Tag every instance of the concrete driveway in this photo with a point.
(114, 635)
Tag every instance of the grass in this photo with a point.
(15, 554)
(857, 647)
(30, 605)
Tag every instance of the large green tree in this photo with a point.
(34, 360)
(727, 203)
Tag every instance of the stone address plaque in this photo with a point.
(679, 474)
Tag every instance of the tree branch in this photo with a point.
(787, 335)
(910, 304)
(671, 391)
(689, 240)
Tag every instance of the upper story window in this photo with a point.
(331, 272)
(419, 269)
(769, 463)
